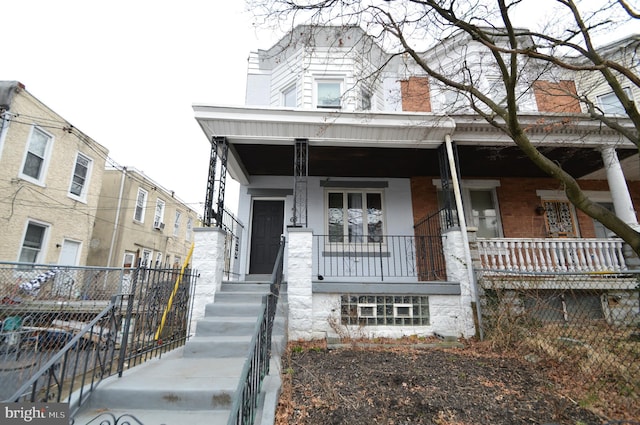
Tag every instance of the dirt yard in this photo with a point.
(407, 385)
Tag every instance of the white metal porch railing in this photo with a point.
(552, 255)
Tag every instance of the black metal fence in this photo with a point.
(53, 344)
(587, 326)
(429, 250)
(245, 403)
(389, 256)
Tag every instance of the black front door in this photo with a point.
(266, 228)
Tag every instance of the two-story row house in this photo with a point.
(50, 179)
(140, 222)
(384, 182)
(60, 205)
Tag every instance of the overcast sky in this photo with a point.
(126, 73)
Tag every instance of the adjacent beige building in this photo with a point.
(139, 221)
(50, 179)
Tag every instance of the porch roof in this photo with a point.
(261, 142)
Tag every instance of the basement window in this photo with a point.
(384, 310)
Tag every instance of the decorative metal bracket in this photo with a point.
(219, 149)
(300, 177)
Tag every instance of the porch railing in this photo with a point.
(245, 403)
(66, 331)
(388, 256)
(552, 255)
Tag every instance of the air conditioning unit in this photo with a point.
(158, 226)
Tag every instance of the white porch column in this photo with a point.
(618, 187)
(208, 262)
(299, 290)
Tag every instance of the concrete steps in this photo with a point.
(194, 384)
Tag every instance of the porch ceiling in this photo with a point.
(262, 143)
(475, 161)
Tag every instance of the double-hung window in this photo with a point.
(355, 216)
(611, 105)
(289, 97)
(329, 94)
(176, 223)
(36, 157)
(158, 218)
(80, 178)
(189, 229)
(141, 205)
(33, 243)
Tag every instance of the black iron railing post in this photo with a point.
(124, 339)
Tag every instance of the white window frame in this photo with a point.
(363, 307)
(366, 93)
(318, 81)
(189, 229)
(140, 207)
(41, 251)
(85, 185)
(45, 159)
(4, 128)
(176, 223)
(365, 228)
(471, 185)
(608, 101)
(286, 92)
(131, 255)
(158, 262)
(145, 257)
(158, 217)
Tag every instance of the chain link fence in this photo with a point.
(43, 307)
(585, 327)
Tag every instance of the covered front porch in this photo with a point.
(351, 191)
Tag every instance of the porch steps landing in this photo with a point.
(194, 384)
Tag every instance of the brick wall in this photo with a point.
(517, 200)
(416, 95)
(556, 97)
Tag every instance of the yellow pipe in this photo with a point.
(173, 293)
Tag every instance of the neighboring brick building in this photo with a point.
(50, 178)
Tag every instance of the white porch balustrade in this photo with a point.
(552, 255)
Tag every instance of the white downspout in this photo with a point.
(463, 229)
(116, 221)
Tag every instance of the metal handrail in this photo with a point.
(28, 391)
(256, 366)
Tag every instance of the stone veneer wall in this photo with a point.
(317, 315)
(208, 261)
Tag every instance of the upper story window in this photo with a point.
(141, 205)
(158, 218)
(33, 243)
(176, 223)
(189, 229)
(355, 216)
(80, 178)
(37, 155)
(611, 105)
(366, 99)
(289, 97)
(328, 94)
